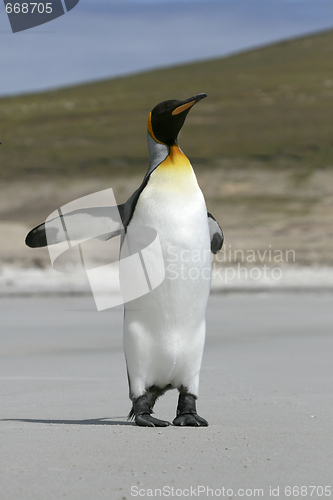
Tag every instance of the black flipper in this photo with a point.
(97, 222)
(216, 234)
(102, 223)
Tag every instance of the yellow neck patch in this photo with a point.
(176, 162)
(174, 175)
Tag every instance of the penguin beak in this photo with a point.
(188, 103)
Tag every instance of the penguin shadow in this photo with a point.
(89, 421)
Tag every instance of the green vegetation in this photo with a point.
(273, 105)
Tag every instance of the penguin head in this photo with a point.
(167, 118)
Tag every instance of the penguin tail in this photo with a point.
(141, 406)
(144, 404)
(131, 414)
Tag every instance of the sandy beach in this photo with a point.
(266, 390)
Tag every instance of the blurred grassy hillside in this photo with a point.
(261, 143)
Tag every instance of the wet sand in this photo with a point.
(266, 390)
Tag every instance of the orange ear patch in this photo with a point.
(183, 107)
(150, 129)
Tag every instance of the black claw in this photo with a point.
(147, 420)
(202, 421)
(189, 420)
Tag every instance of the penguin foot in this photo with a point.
(190, 421)
(147, 420)
(141, 411)
(187, 413)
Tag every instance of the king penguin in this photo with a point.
(164, 330)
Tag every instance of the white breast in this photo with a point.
(164, 330)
